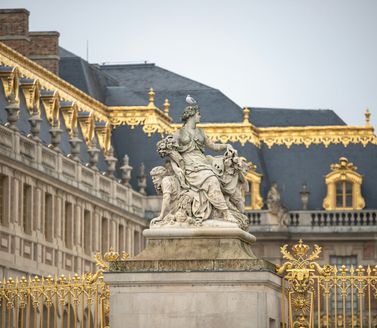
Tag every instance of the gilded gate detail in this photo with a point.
(57, 302)
(326, 296)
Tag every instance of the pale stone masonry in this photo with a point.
(56, 213)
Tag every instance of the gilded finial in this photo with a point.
(367, 117)
(151, 97)
(166, 106)
(246, 115)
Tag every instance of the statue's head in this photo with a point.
(157, 174)
(190, 111)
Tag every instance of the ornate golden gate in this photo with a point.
(59, 302)
(326, 296)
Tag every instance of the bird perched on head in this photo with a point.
(190, 100)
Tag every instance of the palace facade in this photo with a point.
(77, 142)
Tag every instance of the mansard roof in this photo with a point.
(288, 164)
(279, 117)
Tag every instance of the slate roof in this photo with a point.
(127, 85)
(278, 117)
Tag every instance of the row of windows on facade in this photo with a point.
(25, 208)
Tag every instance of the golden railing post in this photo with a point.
(300, 271)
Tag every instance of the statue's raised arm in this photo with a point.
(210, 187)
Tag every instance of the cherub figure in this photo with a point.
(169, 187)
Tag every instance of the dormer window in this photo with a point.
(253, 199)
(343, 187)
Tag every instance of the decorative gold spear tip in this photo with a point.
(166, 106)
(246, 115)
(367, 117)
(151, 97)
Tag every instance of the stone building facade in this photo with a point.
(56, 213)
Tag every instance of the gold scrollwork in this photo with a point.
(51, 104)
(70, 116)
(87, 127)
(298, 271)
(103, 133)
(10, 79)
(110, 256)
(31, 90)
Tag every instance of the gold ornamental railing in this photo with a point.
(54, 302)
(326, 296)
(78, 301)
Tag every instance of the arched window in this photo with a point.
(343, 187)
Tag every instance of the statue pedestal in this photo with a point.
(201, 277)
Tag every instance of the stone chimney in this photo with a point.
(14, 29)
(41, 47)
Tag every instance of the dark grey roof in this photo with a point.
(141, 77)
(65, 53)
(84, 76)
(278, 117)
(136, 80)
(214, 106)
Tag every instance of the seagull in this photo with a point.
(190, 100)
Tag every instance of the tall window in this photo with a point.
(26, 208)
(344, 194)
(121, 238)
(48, 217)
(68, 225)
(136, 242)
(105, 235)
(87, 231)
(3, 181)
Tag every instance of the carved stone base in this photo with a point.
(195, 249)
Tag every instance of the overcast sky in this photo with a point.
(305, 54)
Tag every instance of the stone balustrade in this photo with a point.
(315, 221)
(333, 218)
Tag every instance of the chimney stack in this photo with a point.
(41, 47)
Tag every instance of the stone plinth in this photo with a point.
(194, 299)
(201, 277)
(195, 249)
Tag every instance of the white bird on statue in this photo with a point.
(190, 100)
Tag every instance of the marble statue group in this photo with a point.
(198, 189)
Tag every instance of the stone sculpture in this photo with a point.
(275, 206)
(198, 189)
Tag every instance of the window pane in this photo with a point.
(339, 201)
(339, 187)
